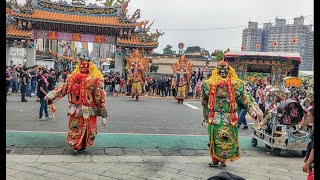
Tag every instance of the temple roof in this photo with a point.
(134, 41)
(17, 32)
(74, 18)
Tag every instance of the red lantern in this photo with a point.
(228, 49)
(257, 46)
(294, 40)
(274, 43)
(242, 48)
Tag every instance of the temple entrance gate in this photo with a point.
(104, 24)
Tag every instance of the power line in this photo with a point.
(215, 28)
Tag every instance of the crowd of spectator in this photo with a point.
(24, 80)
(114, 84)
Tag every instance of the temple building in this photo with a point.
(59, 24)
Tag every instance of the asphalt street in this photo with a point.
(154, 138)
(150, 115)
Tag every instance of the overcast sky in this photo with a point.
(173, 15)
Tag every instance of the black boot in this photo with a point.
(213, 164)
(83, 149)
(223, 164)
(74, 152)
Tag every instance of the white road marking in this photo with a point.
(190, 106)
(192, 102)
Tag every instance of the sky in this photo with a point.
(205, 23)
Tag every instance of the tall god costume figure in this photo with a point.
(87, 101)
(182, 70)
(137, 66)
(219, 96)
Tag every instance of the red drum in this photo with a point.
(290, 113)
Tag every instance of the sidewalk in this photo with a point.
(131, 163)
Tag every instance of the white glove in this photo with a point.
(104, 122)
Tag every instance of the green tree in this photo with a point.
(167, 50)
(219, 55)
(154, 68)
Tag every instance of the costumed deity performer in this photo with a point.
(87, 101)
(182, 70)
(219, 95)
(137, 65)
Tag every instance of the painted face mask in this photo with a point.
(223, 71)
(84, 67)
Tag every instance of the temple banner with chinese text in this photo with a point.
(37, 34)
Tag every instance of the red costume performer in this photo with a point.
(87, 101)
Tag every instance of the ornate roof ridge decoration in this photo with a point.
(75, 18)
(143, 32)
(134, 41)
(9, 19)
(76, 8)
(141, 36)
(110, 8)
(27, 8)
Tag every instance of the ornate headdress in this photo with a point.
(136, 54)
(183, 59)
(94, 72)
(84, 59)
(222, 62)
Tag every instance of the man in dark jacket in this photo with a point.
(158, 86)
(163, 87)
(24, 84)
(168, 87)
(51, 80)
(42, 91)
